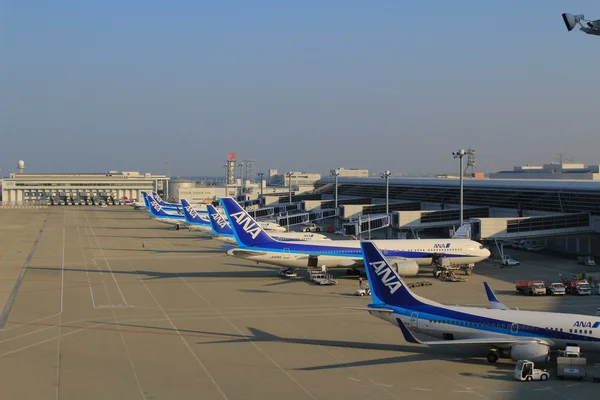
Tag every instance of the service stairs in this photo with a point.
(321, 278)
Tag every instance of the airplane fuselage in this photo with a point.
(347, 253)
(558, 330)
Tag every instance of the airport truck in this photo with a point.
(579, 287)
(532, 288)
(588, 261)
(525, 371)
(555, 289)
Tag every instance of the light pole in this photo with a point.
(336, 173)
(386, 175)
(460, 154)
(261, 182)
(289, 176)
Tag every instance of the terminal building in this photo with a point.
(35, 189)
(551, 171)
(560, 215)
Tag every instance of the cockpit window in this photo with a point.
(481, 247)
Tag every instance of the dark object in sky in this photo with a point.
(590, 27)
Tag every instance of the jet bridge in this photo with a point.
(366, 224)
(531, 227)
(273, 210)
(303, 218)
(417, 220)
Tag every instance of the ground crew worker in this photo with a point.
(143, 244)
(360, 281)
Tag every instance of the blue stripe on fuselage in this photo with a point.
(354, 252)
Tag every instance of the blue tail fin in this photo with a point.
(158, 198)
(191, 215)
(219, 224)
(386, 286)
(156, 209)
(146, 200)
(245, 229)
(494, 302)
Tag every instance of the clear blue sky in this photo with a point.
(96, 85)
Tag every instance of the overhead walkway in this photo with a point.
(307, 217)
(417, 220)
(366, 224)
(531, 227)
(274, 210)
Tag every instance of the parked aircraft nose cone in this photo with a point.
(230, 252)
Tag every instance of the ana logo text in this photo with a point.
(441, 246)
(586, 324)
(219, 220)
(191, 211)
(388, 277)
(244, 220)
(157, 207)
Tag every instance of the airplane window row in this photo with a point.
(584, 331)
(466, 323)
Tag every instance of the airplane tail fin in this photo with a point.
(219, 225)
(191, 215)
(494, 302)
(155, 208)
(146, 200)
(158, 198)
(386, 286)
(246, 230)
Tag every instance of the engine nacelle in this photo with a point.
(404, 267)
(539, 353)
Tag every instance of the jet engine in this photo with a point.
(539, 353)
(403, 266)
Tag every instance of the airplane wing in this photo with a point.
(384, 310)
(245, 253)
(504, 342)
(494, 302)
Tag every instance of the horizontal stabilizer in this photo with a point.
(494, 302)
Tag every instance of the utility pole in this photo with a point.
(289, 176)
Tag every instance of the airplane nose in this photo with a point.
(230, 252)
(487, 253)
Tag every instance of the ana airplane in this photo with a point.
(406, 255)
(222, 230)
(516, 334)
(193, 220)
(159, 214)
(200, 208)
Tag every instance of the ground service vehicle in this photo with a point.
(507, 260)
(525, 371)
(576, 368)
(532, 288)
(579, 287)
(555, 289)
(586, 260)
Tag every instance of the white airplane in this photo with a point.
(520, 335)
(256, 245)
(591, 27)
(222, 230)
